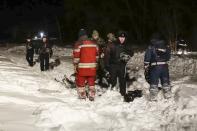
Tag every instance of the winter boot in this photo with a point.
(153, 94)
(82, 92)
(92, 93)
(167, 92)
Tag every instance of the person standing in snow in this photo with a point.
(100, 68)
(85, 55)
(155, 60)
(29, 52)
(45, 53)
(110, 41)
(116, 57)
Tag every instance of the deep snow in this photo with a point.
(31, 100)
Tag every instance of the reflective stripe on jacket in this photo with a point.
(85, 56)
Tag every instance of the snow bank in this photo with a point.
(17, 50)
(56, 108)
(58, 51)
(183, 66)
(110, 113)
(178, 66)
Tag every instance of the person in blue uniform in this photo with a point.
(156, 62)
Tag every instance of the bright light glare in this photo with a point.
(41, 34)
(35, 37)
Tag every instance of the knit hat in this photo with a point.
(122, 34)
(95, 33)
(111, 37)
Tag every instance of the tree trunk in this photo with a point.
(59, 29)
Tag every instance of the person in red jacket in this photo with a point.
(85, 56)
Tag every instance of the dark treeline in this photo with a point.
(63, 18)
(139, 17)
(21, 18)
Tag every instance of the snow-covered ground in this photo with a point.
(31, 100)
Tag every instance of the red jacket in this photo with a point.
(85, 56)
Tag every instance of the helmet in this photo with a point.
(82, 32)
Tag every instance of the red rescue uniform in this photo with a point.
(85, 56)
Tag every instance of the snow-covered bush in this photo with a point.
(178, 66)
(183, 66)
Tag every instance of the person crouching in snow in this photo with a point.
(45, 53)
(156, 57)
(85, 55)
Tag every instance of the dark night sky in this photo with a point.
(32, 14)
(65, 17)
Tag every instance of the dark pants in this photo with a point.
(118, 71)
(29, 57)
(159, 72)
(101, 74)
(36, 50)
(44, 61)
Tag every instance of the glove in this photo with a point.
(107, 68)
(107, 74)
(102, 55)
(124, 57)
(29, 47)
(146, 67)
